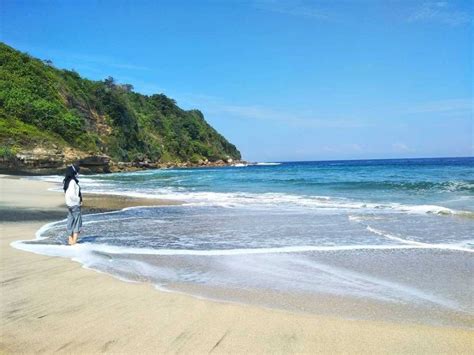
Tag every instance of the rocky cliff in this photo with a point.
(51, 117)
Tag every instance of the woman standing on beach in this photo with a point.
(73, 197)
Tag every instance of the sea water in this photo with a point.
(383, 239)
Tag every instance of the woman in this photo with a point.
(73, 201)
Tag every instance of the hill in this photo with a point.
(51, 117)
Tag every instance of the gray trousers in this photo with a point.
(74, 220)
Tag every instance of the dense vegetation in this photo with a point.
(41, 105)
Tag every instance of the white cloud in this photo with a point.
(216, 106)
(443, 106)
(401, 148)
(441, 12)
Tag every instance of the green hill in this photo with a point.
(47, 112)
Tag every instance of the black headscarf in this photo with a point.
(71, 174)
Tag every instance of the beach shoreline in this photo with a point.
(52, 304)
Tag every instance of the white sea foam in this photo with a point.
(443, 246)
(278, 200)
(254, 200)
(97, 257)
(360, 218)
(387, 290)
(425, 209)
(81, 248)
(155, 221)
(286, 272)
(394, 237)
(459, 185)
(267, 164)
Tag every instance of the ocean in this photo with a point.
(367, 239)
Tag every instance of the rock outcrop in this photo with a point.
(50, 118)
(41, 161)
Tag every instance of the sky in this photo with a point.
(282, 80)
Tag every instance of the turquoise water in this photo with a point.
(447, 182)
(396, 232)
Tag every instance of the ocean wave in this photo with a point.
(81, 248)
(259, 270)
(282, 201)
(391, 236)
(401, 242)
(394, 237)
(263, 200)
(290, 201)
(419, 186)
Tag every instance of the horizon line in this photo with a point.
(365, 159)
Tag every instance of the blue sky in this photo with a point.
(283, 80)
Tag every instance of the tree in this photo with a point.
(109, 82)
(127, 87)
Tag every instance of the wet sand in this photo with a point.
(51, 304)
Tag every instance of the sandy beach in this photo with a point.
(50, 304)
